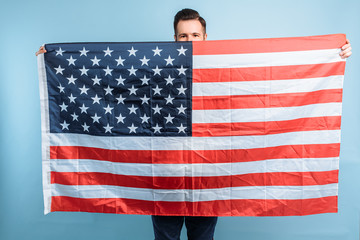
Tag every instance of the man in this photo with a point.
(190, 26)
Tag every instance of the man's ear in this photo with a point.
(205, 36)
(175, 38)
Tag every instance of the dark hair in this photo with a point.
(188, 14)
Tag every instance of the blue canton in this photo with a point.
(120, 89)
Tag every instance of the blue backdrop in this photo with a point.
(26, 25)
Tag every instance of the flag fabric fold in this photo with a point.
(213, 128)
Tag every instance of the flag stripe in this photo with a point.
(179, 157)
(243, 207)
(252, 179)
(266, 73)
(267, 87)
(196, 195)
(264, 128)
(198, 143)
(266, 100)
(266, 59)
(268, 45)
(196, 169)
(266, 114)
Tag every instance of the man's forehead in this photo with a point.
(189, 26)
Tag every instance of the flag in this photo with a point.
(213, 128)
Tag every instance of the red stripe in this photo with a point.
(264, 128)
(266, 100)
(198, 156)
(247, 207)
(268, 45)
(253, 179)
(268, 73)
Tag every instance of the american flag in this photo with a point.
(211, 128)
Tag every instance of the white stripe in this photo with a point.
(196, 143)
(267, 87)
(258, 192)
(266, 59)
(266, 114)
(196, 170)
(45, 126)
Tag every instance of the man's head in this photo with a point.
(189, 26)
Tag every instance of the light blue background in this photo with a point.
(26, 25)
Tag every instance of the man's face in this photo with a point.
(190, 30)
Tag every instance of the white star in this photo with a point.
(181, 109)
(120, 80)
(72, 98)
(169, 118)
(108, 52)
(132, 71)
(108, 128)
(145, 119)
(63, 107)
(157, 128)
(108, 90)
(108, 109)
(157, 109)
(182, 50)
(132, 128)
(64, 125)
(120, 61)
(169, 80)
(169, 60)
(157, 70)
(181, 90)
(132, 109)
(59, 52)
(182, 70)
(157, 90)
(132, 51)
(75, 117)
(95, 61)
(120, 118)
(145, 80)
(144, 61)
(84, 71)
(84, 90)
(120, 99)
(83, 109)
(145, 99)
(133, 90)
(59, 70)
(169, 99)
(108, 71)
(96, 99)
(181, 128)
(71, 79)
(83, 52)
(86, 127)
(95, 118)
(96, 80)
(157, 51)
(61, 88)
(71, 60)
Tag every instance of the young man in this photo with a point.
(190, 26)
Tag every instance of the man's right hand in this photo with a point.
(41, 50)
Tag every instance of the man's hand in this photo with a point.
(346, 50)
(41, 50)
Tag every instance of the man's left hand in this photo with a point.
(346, 50)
